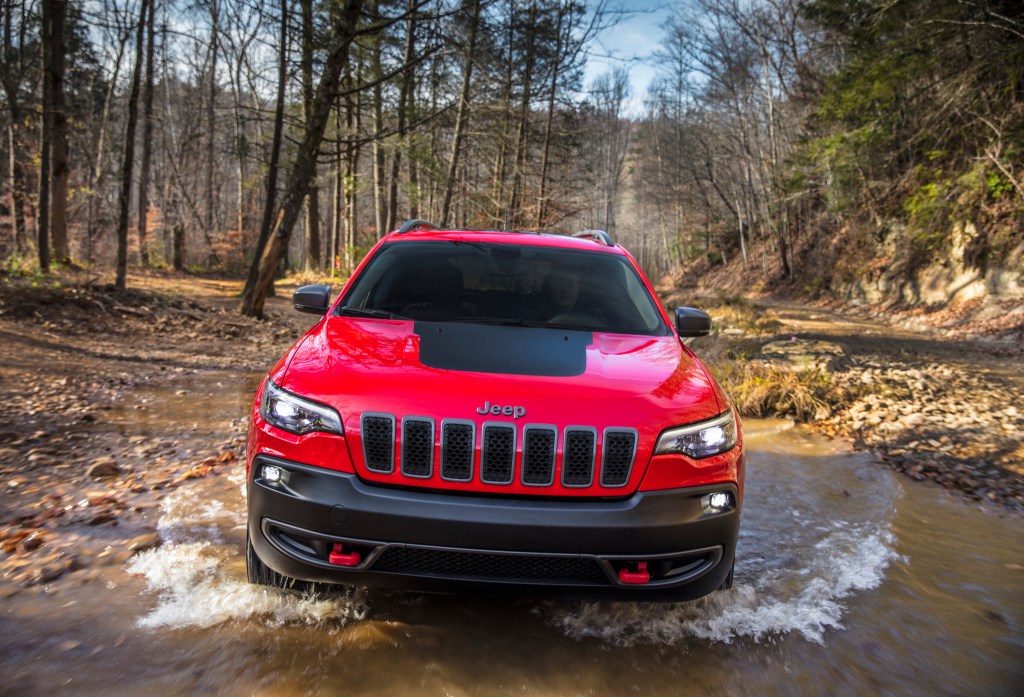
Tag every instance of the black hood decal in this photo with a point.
(485, 348)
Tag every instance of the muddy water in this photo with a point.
(849, 580)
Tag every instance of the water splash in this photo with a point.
(198, 577)
(807, 601)
(188, 517)
(195, 592)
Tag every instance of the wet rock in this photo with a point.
(52, 569)
(103, 468)
(32, 542)
(101, 518)
(144, 542)
(799, 355)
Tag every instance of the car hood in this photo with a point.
(463, 371)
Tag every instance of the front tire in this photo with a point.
(727, 583)
(260, 574)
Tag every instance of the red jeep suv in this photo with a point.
(495, 411)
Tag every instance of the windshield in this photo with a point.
(528, 285)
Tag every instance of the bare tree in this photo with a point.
(249, 296)
(313, 199)
(14, 68)
(211, 116)
(123, 199)
(343, 25)
(147, 137)
(613, 129)
(405, 101)
(461, 117)
(55, 116)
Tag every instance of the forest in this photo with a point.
(801, 141)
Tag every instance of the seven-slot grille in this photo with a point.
(501, 447)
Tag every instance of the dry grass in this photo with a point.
(737, 312)
(759, 389)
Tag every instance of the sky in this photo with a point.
(630, 42)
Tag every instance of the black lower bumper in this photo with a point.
(663, 545)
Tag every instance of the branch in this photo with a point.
(1006, 173)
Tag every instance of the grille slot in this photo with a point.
(578, 456)
(496, 567)
(498, 453)
(417, 447)
(457, 445)
(378, 432)
(617, 454)
(539, 455)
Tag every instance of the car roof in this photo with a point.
(590, 240)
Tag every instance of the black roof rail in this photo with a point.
(597, 236)
(416, 224)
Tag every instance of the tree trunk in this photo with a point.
(19, 180)
(404, 97)
(123, 199)
(542, 208)
(99, 167)
(312, 259)
(344, 20)
(501, 158)
(45, 132)
(338, 197)
(275, 153)
(179, 247)
(12, 70)
(59, 132)
(462, 114)
(515, 215)
(380, 220)
(211, 124)
(147, 139)
(354, 124)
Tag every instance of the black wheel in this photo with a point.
(262, 575)
(727, 583)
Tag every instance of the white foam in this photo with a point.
(190, 516)
(806, 601)
(194, 592)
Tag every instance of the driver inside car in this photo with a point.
(564, 300)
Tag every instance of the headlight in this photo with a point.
(702, 439)
(295, 414)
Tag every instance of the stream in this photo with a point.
(850, 580)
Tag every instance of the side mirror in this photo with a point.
(312, 299)
(692, 322)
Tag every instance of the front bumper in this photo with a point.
(443, 542)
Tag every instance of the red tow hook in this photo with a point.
(641, 575)
(339, 557)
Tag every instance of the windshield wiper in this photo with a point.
(354, 311)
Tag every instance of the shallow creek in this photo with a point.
(850, 580)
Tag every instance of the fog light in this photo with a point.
(719, 500)
(272, 473)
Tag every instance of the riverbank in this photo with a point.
(936, 403)
(92, 382)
